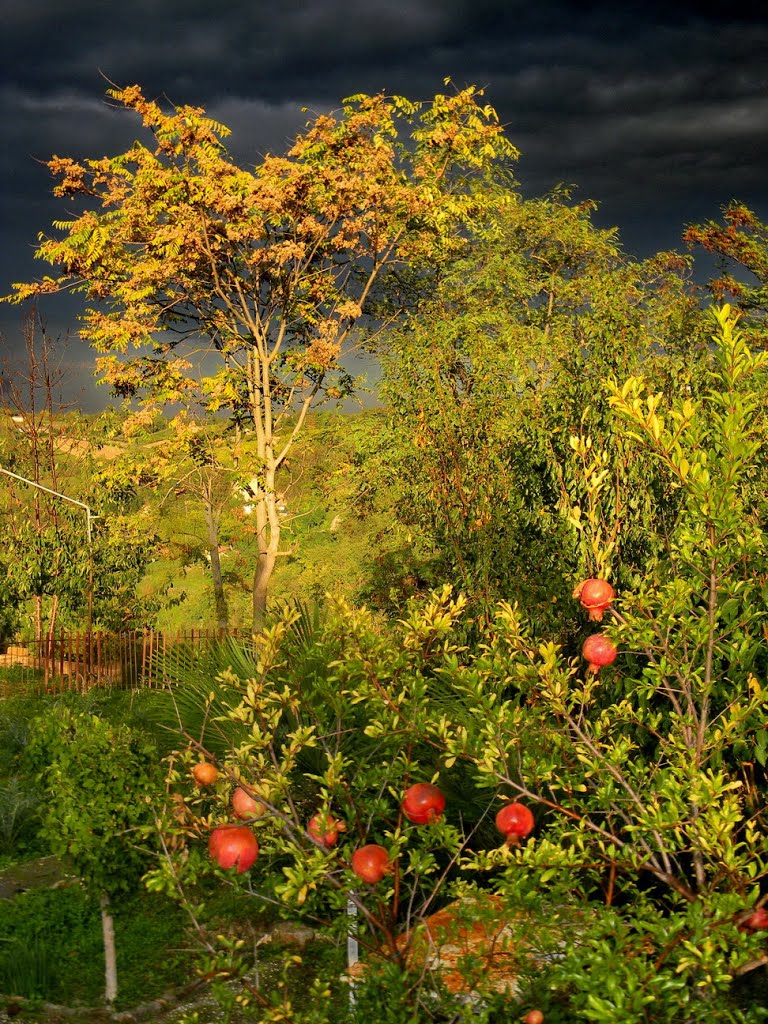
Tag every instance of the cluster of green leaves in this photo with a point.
(98, 785)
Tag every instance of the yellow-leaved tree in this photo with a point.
(224, 289)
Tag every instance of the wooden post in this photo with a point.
(74, 658)
(61, 658)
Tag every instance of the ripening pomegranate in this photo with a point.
(244, 805)
(757, 921)
(370, 863)
(533, 1017)
(233, 846)
(515, 821)
(205, 773)
(598, 651)
(423, 803)
(325, 829)
(595, 596)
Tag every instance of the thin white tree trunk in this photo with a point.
(110, 956)
(219, 597)
(268, 526)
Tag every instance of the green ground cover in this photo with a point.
(51, 947)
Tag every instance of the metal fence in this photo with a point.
(80, 660)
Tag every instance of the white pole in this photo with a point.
(33, 483)
(353, 948)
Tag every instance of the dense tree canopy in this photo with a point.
(492, 379)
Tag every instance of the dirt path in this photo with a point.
(45, 873)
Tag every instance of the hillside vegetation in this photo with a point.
(335, 541)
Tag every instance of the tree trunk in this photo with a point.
(261, 578)
(38, 602)
(268, 525)
(219, 597)
(50, 643)
(110, 956)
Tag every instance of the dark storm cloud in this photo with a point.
(592, 72)
(657, 110)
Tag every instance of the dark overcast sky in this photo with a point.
(657, 110)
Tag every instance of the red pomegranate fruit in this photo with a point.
(245, 806)
(370, 863)
(423, 803)
(204, 773)
(533, 1017)
(233, 846)
(595, 595)
(515, 821)
(325, 829)
(598, 651)
(757, 921)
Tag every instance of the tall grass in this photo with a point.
(25, 967)
(18, 812)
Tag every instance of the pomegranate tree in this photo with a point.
(423, 803)
(599, 651)
(595, 595)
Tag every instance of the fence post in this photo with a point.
(61, 660)
(76, 661)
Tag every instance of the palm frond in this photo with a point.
(195, 700)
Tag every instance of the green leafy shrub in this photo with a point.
(489, 381)
(50, 946)
(98, 782)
